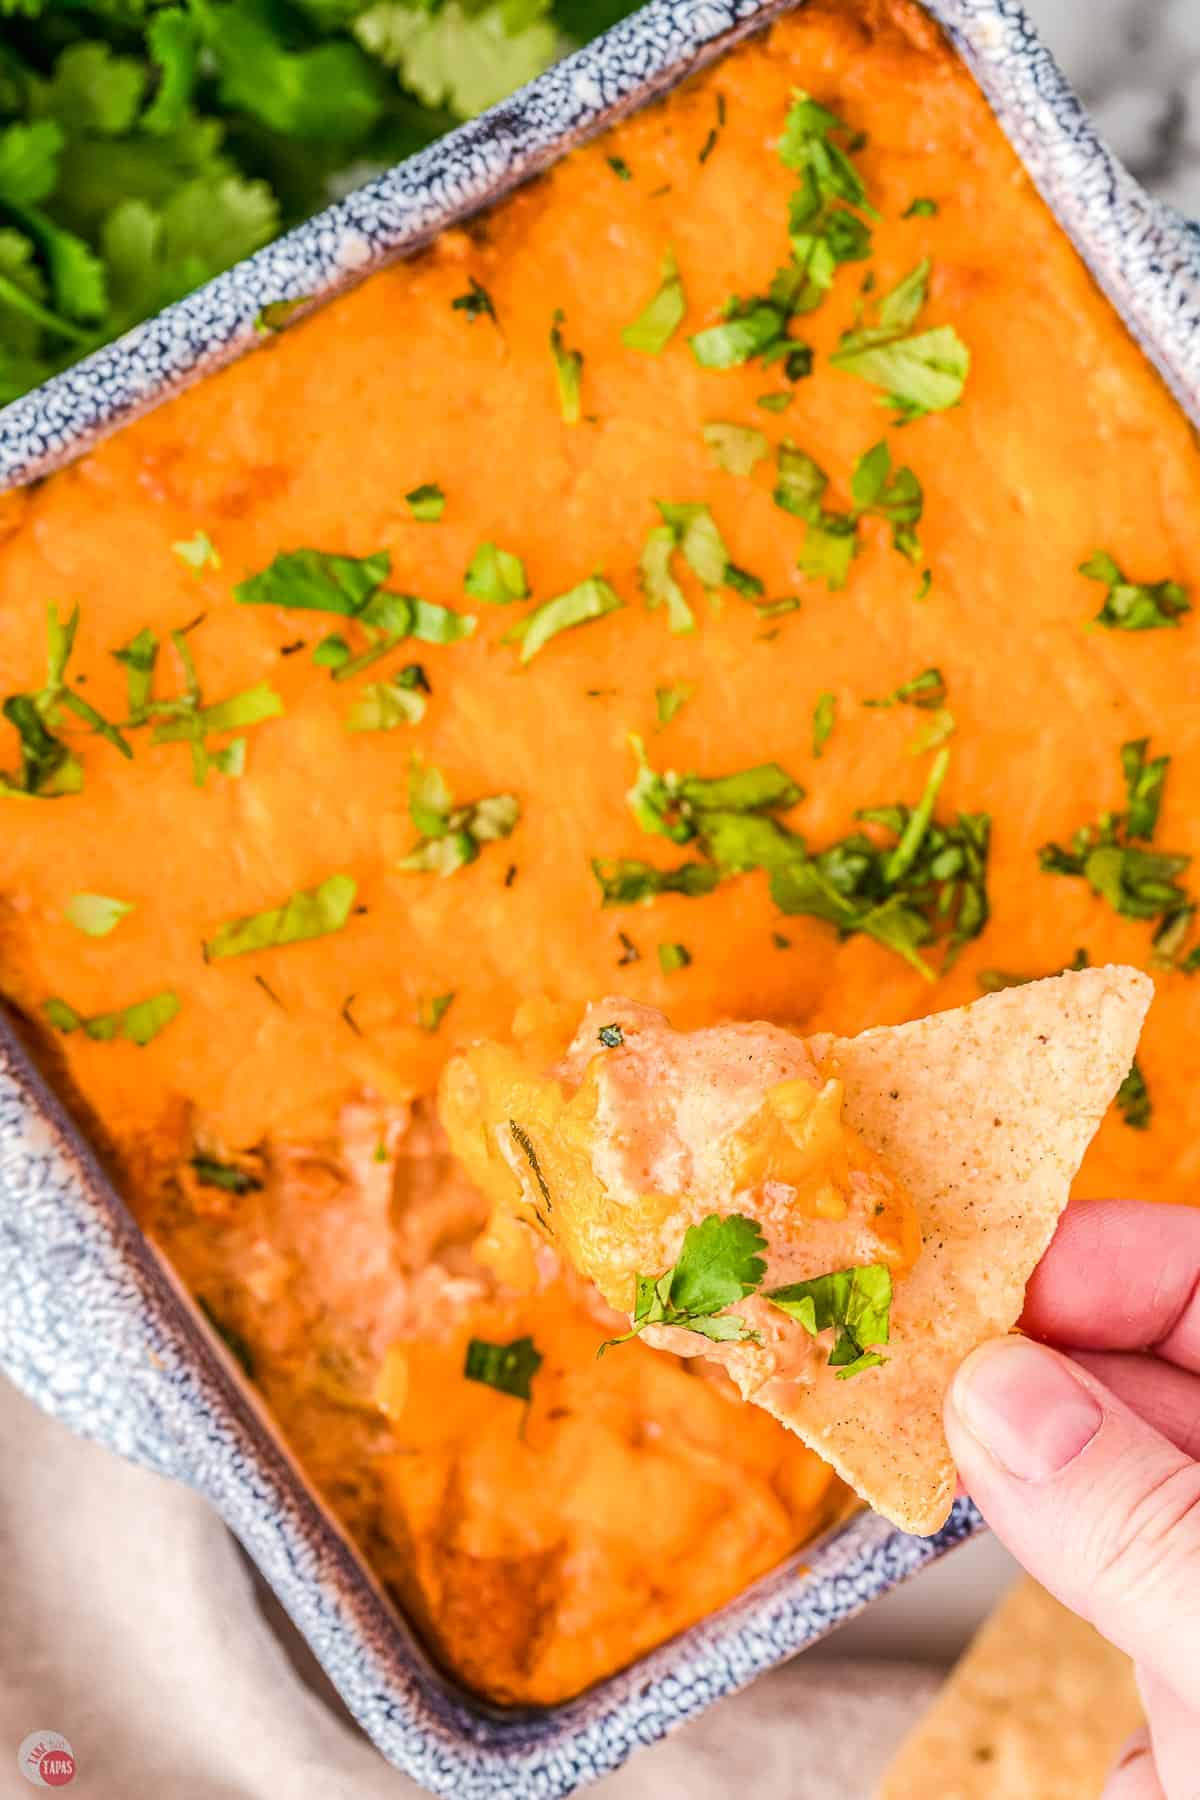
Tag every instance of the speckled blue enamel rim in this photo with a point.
(91, 1325)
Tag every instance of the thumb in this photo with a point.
(1095, 1503)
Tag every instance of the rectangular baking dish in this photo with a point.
(91, 1324)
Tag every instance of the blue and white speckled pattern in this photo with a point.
(90, 1325)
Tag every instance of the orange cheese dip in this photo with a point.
(538, 1551)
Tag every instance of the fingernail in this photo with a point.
(1026, 1406)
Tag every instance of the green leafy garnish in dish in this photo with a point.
(1137, 883)
(670, 700)
(921, 373)
(1133, 605)
(921, 208)
(824, 719)
(426, 503)
(854, 1303)
(736, 448)
(894, 495)
(672, 957)
(926, 690)
(568, 372)
(383, 705)
(591, 599)
(96, 915)
(476, 303)
(509, 1368)
(662, 315)
(1133, 1099)
(451, 836)
(210, 1171)
(137, 1024)
(626, 882)
(310, 913)
(721, 1262)
(198, 552)
(49, 768)
(431, 1011)
(497, 576)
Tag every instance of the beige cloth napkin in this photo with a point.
(129, 1622)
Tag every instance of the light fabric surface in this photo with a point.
(128, 1622)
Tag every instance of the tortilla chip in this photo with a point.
(984, 1113)
(1037, 1709)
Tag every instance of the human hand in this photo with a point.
(1085, 1463)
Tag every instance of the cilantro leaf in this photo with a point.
(736, 448)
(657, 582)
(745, 334)
(426, 503)
(476, 303)
(456, 56)
(383, 705)
(679, 806)
(626, 882)
(591, 599)
(509, 1368)
(1131, 605)
(568, 372)
(96, 915)
(331, 92)
(921, 208)
(669, 701)
(171, 41)
(894, 495)
(696, 535)
(720, 1263)
(1133, 1098)
(662, 315)
(451, 836)
(316, 581)
(210, 1171)
(49, 768)
(432, 1011)
(672, 957)
(922, 374)
(854, 1303)
(137, 1024)
(310, 913)
(198, 552)
(1137, 883)
(496, 575)
(926, 690)
(824, 718)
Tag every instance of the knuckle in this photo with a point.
(1154, 1544)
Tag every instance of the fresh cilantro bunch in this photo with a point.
(145, 146)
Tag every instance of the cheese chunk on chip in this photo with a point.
(924, 1166)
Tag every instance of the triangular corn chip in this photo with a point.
(984, 1113)
(969, 1125)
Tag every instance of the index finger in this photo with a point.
(1121, 1275)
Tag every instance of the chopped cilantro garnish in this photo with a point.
(383, 705)
(568, 371)
(831, 540)
(317, 581)
(778, 609)
(426, 502)
(451, 836)
(721, 1262)
(823, 230)
(774, 403)
(698, 538)
(1138, 883)
(921, 374)
(310, 913)
(680, 807)
(932, 879)
(139, 657)
(210, 1171)
(436, 624)
(926, 690)
(672, 957)
(891, 494)
(96, 915)
(736, 448)
(824, 718)
(496, 575)
(619, 167)
(591, 599)
(138, 1024)
(743, 582)
(924, 585)
(936, 731)
(431, 1011)
(800, 482)
(662, 315)
(476, 303)
(1133, 1098)
(657, 582)
(611, 1036)
(749, 330)
(921, 208)
(670, 700)
(333, 652)
(49, 768)
(509, 1368)
(854, 1303)
(198, 552)
(625, 881)
(1131, 605)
